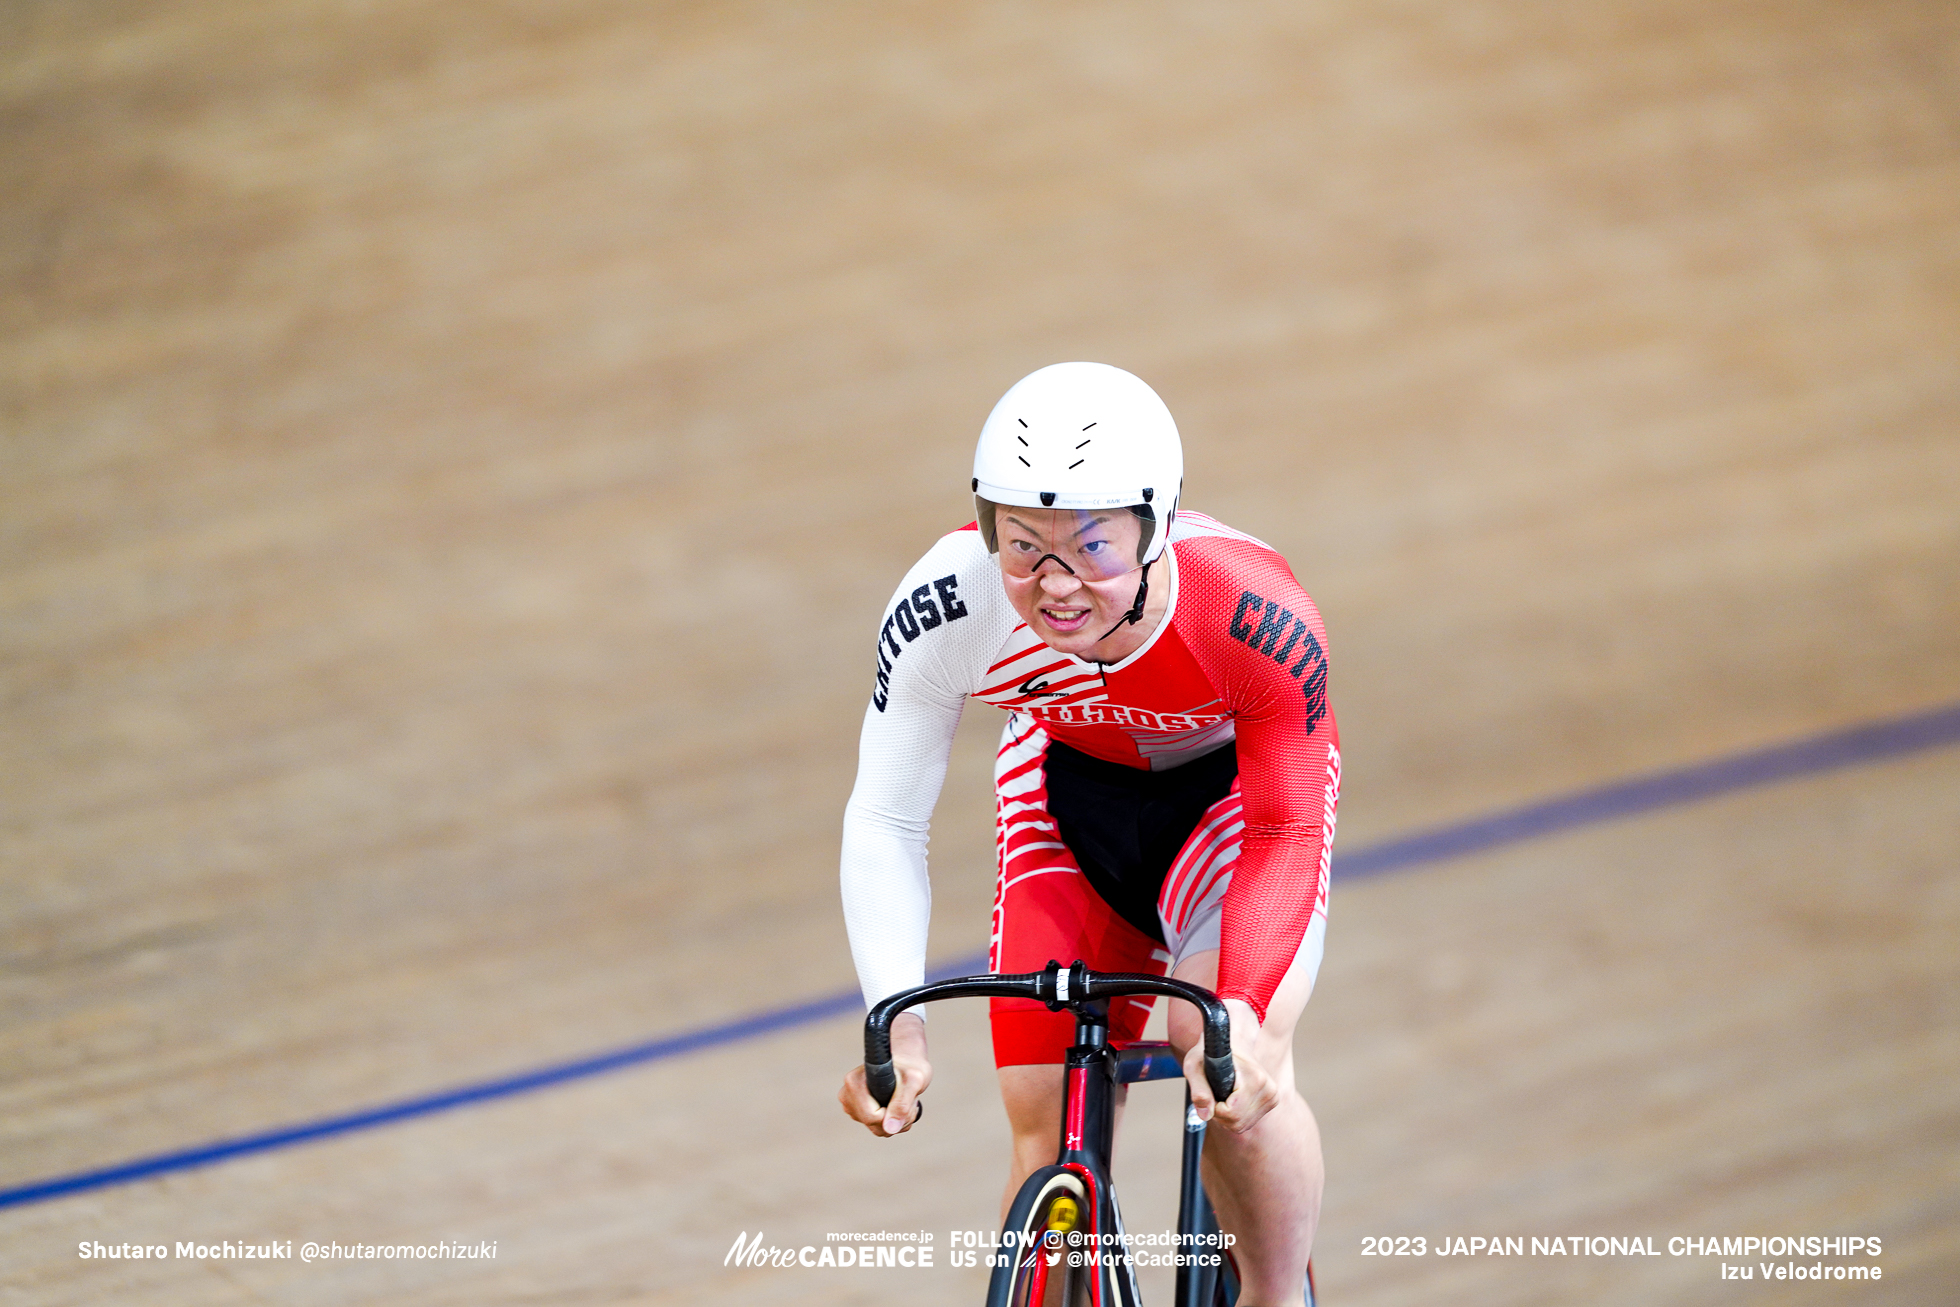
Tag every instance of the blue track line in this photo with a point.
(1738, 771)
(1821, 753)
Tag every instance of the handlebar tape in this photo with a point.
(1221, 1075)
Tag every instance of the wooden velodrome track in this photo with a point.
(454, 456)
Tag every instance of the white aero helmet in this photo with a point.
(1081, 436)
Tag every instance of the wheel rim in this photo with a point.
(1042, 1275)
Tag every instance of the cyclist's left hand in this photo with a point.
(908, 1035)
(1256, 1091)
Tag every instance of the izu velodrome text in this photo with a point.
(1582, 1245)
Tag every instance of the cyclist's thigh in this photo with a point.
(1046, 910)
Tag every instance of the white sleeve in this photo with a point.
(939, 632)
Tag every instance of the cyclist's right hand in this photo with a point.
(914, 1074)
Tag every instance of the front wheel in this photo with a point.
(1034, 1270)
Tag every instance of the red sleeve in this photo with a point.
(1260, 642)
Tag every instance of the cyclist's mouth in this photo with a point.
(1066, 620)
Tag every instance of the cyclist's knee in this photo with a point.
(1275, 1046)
(1274, 1049)
(1033, 1098)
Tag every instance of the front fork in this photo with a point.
(1196, 1285)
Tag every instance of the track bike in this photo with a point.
(1063, 1242)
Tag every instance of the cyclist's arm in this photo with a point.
(1264, 646)
(935, 638)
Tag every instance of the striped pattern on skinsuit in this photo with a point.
(1027, 842)
(1205, 860)
(1204, 865)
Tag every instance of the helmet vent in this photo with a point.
(1023, 440)
(1077, 463)
(1090, 425)
(1085, 442)
(1022, 421)
(1024, 462)
(1047, 499)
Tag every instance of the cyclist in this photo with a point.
(1165, 788)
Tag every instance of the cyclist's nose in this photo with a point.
(1059, 584)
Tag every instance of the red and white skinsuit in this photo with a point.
(1240, 656)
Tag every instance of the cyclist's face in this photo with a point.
(1069, 574)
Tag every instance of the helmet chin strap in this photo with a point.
(1135, 614)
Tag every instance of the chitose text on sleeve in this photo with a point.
(942, 622)
(1261, 642)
